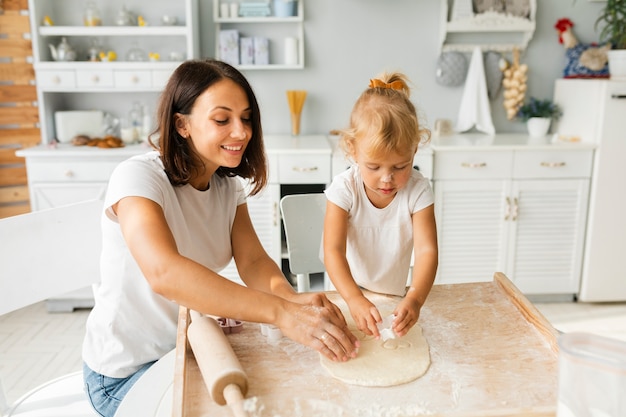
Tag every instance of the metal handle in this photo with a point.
(552, 164)
(507, 210)
(69, 173)
(515, 209)
(618, 96)
(95, 79)
(275, 214)
(305, 169)
(473, 165)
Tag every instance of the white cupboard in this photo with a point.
(517, 208)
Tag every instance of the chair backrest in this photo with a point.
(47, 253)
(303, 219)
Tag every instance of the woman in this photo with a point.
(173, 219)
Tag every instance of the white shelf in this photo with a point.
(491, 31)
(272, 27)
(113, 31)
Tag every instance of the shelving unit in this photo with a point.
(276, 29)
(119, 82)
(491, 31)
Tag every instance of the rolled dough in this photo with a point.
(382, 364)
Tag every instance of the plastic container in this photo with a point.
(285, 8)
(592, 376)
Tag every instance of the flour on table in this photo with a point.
(381, 364)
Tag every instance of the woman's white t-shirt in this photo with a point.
(130, 324)
(380, 241)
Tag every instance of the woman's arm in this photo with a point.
(188, 283)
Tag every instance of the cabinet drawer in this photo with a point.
(469, 165)
(70, 171)
(552, 164)
(133, 79)
(304, 169)
(56, 79)
(160, 78)
(94, 78)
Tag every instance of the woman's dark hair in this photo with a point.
(188, 82)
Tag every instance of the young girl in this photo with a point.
(381, 209)
(176, 216)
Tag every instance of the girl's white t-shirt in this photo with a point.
(130, 324)
(380, 241)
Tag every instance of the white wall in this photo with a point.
(350, 41)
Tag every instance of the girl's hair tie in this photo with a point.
(395, 85)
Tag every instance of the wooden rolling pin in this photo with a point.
(221, 371)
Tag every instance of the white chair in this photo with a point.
(303, 219)
(44, 254)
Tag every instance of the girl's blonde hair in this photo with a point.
(385, 115)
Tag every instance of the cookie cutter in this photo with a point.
(230, 325)
(272, 333)
(385, 328)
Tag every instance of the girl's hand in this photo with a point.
(365, 315)
(406, 314)
(319, 324)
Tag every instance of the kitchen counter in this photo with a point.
(492, 353)
(501, 141)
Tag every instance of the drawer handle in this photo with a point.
(69, 173)
(553, 164)
(618, 96)
(56, 80)
(134, 79)
(306, 169)
(95, 79)
(515, 209)
(507, 209)
(473, 165)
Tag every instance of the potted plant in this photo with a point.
(612, 25)
(538, 114)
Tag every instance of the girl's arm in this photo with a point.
(188, 283)
(363, 311)
(426, 259)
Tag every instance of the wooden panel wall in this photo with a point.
(18, 108)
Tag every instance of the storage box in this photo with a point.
(229, 46)
(261, 51)
(71, 123)
(246, 51)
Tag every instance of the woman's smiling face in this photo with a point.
(219, 126)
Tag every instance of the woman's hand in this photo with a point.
(365, 315)
(406, 314)
(312, 320)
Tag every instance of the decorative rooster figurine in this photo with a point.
(583, 60)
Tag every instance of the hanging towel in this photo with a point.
(475, 109)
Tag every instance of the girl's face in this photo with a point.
(383, 176)
(219, 127)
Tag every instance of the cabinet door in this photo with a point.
(263, 209)
(471, 229)
(547, 235)
(44, 196)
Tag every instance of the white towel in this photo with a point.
(475, 109)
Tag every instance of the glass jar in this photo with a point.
(136, 54)
(91, 15)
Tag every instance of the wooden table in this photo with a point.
(492, 354)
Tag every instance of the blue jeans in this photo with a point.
(106, 393)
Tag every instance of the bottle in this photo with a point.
(146, 124)
(92, 14)
(135, 117)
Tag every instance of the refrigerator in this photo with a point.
(594, 111)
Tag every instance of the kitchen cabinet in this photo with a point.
(492, 31)
(113, 85)
(276, 29)
(511, 206)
